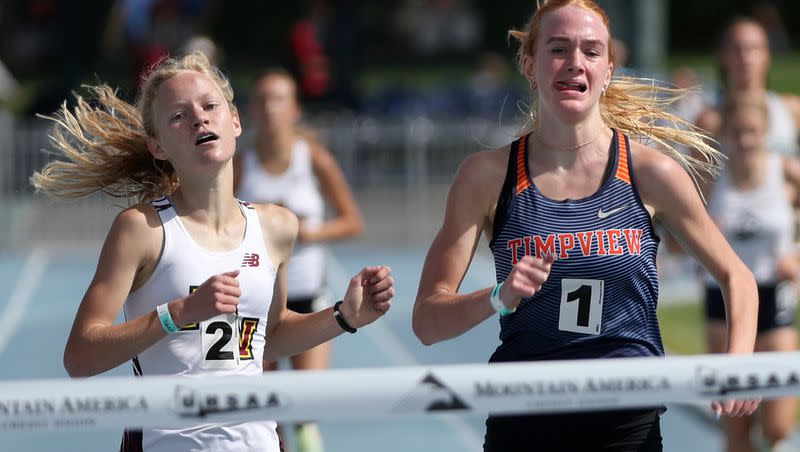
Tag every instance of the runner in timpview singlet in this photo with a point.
(569, 211)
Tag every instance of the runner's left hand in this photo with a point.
(368, 296)
(735, 408)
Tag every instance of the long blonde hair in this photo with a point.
(101, 145)
(632, 105)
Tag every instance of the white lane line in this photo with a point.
(14, 311)
(386, 340)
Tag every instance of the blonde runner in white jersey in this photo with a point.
(179, 141)
(223, 345)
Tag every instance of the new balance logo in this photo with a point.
(607, 213)
(250, 260)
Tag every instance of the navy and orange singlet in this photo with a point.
(600, 298)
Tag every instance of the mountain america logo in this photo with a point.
(250, 260)
(430, 395)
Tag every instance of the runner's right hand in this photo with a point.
(219, 294)
(525, 279)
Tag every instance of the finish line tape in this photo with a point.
(399, 392)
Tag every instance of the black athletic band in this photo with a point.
(342, 322)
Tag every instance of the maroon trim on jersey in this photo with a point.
(131, 441)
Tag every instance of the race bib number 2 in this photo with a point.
(219, 339)
(581, 306)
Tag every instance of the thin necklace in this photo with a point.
(569, 148)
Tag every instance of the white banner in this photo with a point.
(379, 394)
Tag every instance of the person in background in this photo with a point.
(199, 274)
(308, 46)
(767, 13)
(753, 204)
(568, 210)
(285, 165)
(693, 103)
(203, 43)
(744, 61)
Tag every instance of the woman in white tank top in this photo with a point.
(752, 203)
(744, 60)
(189, 260)
(286, 167)
(744, 65)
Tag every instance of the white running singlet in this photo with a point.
(223, 345)
(296, 189)
(782, 135)
(758, 223)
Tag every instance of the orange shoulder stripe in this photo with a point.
(523, 182)
(623, 173)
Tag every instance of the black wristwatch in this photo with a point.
(342, 322)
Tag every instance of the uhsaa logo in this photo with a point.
(191, 403)
(722, 382)
(430, 395)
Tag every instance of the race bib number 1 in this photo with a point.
(581, 306)
(219, 339)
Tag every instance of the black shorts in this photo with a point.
(307, 305)
(618, 431)
(777, 305)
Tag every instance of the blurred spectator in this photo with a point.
(691, 105)
(32, 41)
(346, 52)
(396, 99)
(767, 14)
(620, 53)
(439, 26)
(490, 91)
(144, 31)
(310, 61)
(324, 47)
(287, 165)
(753, 203)
(203, 44)
(623, 66)
(744, 60)
(9, 88)
(129, 36)
(41, 42)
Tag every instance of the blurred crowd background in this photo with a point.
(400, 90)
(383, 58)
